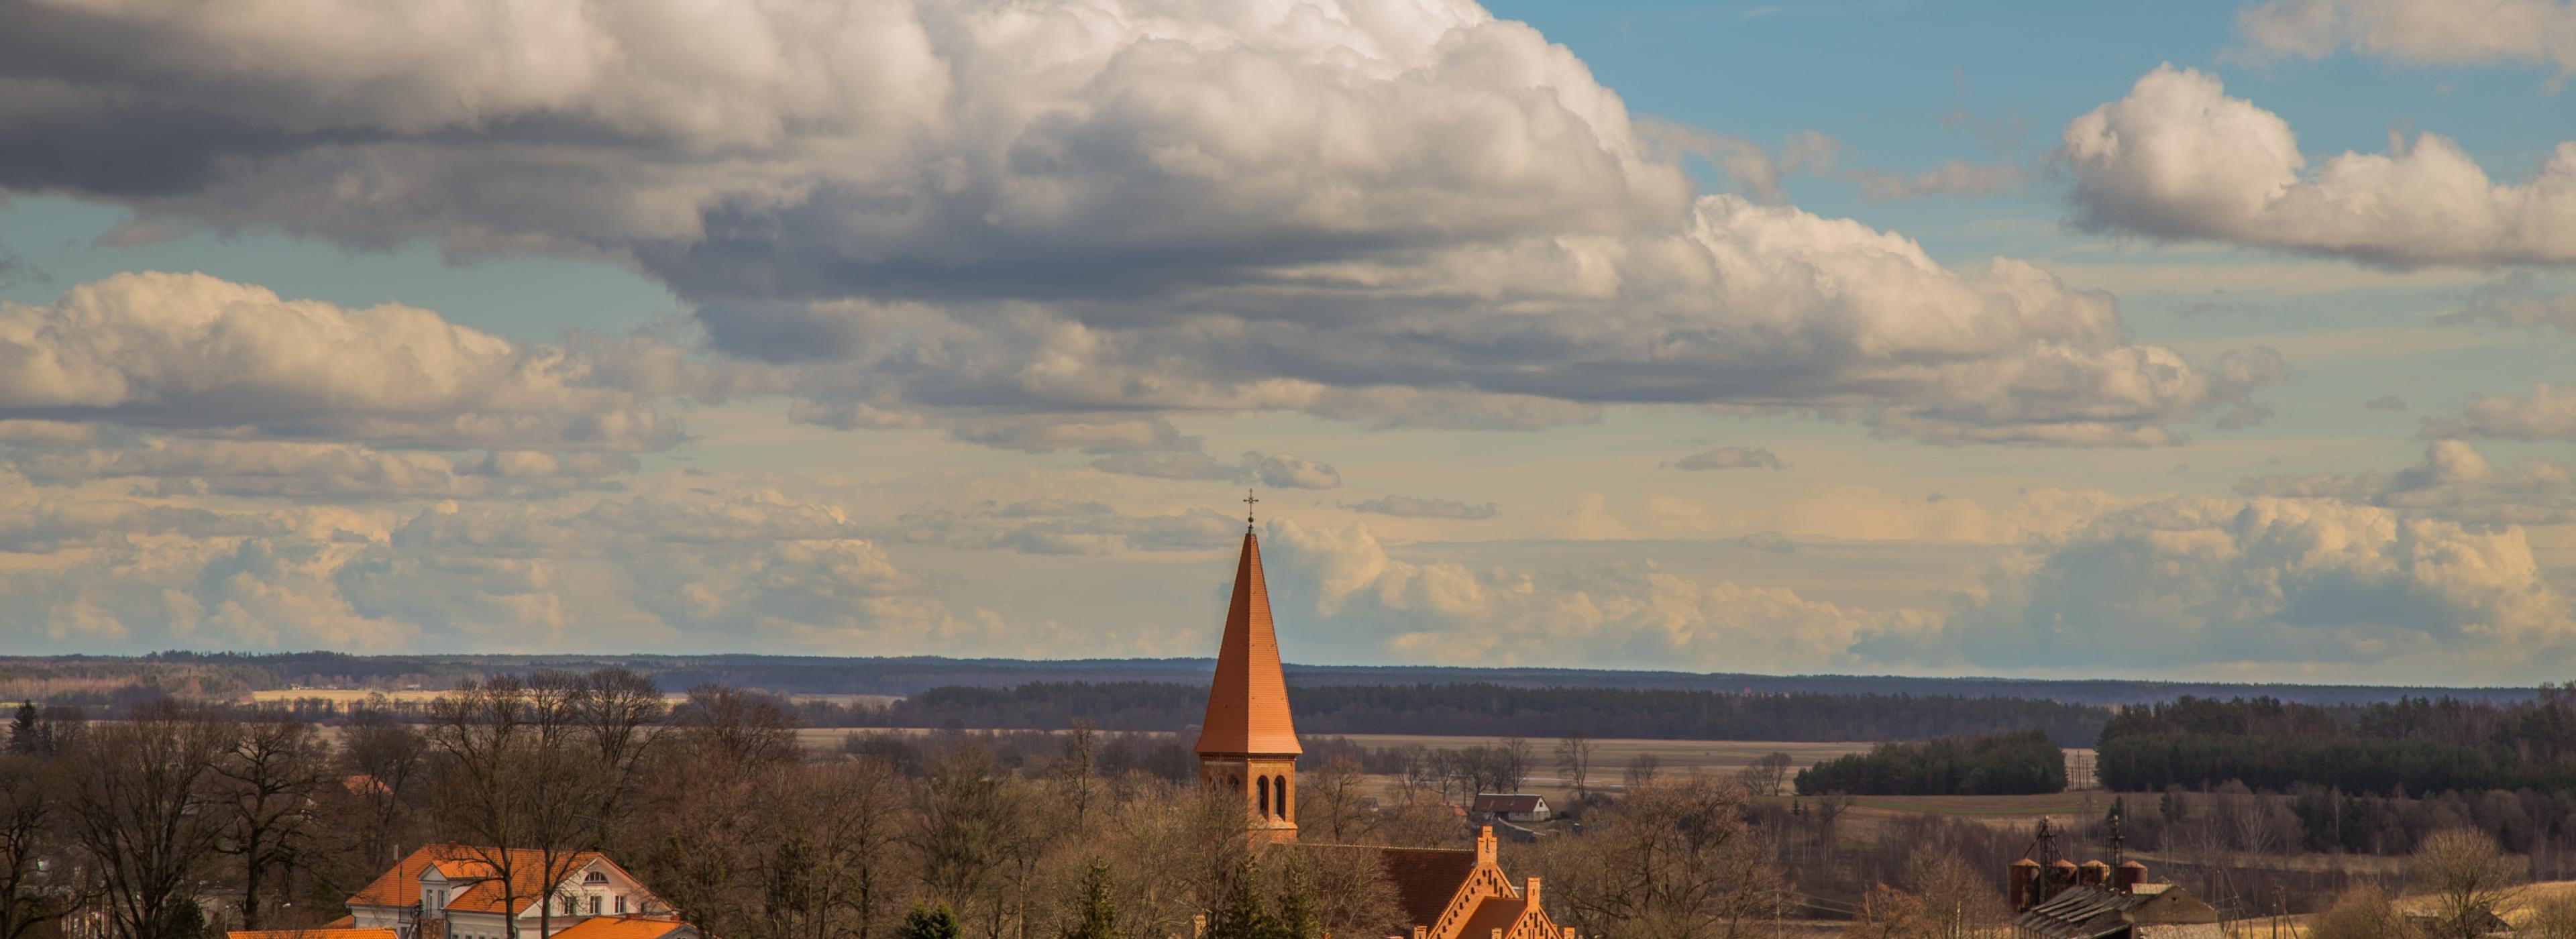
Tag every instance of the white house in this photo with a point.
(448, 891)
(1511, 806)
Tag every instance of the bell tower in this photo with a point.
(1247, 745)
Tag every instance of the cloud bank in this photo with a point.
(976, 213)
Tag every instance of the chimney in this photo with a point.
(1485, 845)
(2128, 876)
(1530, 895)
(1421, 932)
(1198, 925)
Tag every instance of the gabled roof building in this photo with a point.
(1248, 746)
(449, 891)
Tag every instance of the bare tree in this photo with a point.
(1956, 902)
(1512, 760)
(2363, 912)
(1642, 769)
(512, 783)
(1332, 804)
(622, 713)
(31, 829)
(2552, 917)
(742, 727)
(1766, 776)
(387, 764)
(268, 786)
(1674, 860)
(2470, 879)
(1574, 762)
(141, 804)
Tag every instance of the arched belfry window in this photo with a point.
(1263, 784)
(1280, 785)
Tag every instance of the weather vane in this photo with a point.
(1248, 500)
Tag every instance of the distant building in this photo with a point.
(1248, 746)
(447, 891)
(2097, 901)
(1511, 806)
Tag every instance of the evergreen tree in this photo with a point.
(1297, 917)
(1240, 914)
(25, 734)
(1099, 915)
(933, 921)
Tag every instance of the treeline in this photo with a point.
(185, 820)
(2413, 745)
(1489, 710)
(2020, 763)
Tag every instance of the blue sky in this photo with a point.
(2201, 340)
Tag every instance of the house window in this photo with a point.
(621, 903)
(564, 906)
(594, 904)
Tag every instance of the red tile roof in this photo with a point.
(622, 927)
(317, 932)
(1503, 913)
(401, 885)
(1247, 710)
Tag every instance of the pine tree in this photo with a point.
(25, 734)
(933, 921)
(1297, 917)
(1099, 915)
(1240, 914)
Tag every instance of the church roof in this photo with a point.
(1494, 914)
(1425, 879)
(1247, 710)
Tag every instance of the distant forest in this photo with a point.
(2014, 764)
(90, 680)
(2413, 745)
(1494, 711)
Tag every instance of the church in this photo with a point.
(1248, 746)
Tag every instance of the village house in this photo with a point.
(1510, 807)
(447, 891)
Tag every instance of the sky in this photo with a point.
(2197, 340)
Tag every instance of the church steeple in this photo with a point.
(1247, 744)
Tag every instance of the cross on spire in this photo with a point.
(1248, 500)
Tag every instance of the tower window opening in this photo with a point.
(1264, 785)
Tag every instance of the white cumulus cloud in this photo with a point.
(2178, 158)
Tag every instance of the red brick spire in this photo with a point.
(1247, 712)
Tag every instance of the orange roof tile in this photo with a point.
(317, 932)
(1503, 913)
(622, 927)
(1247, 710)
(400, 886)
